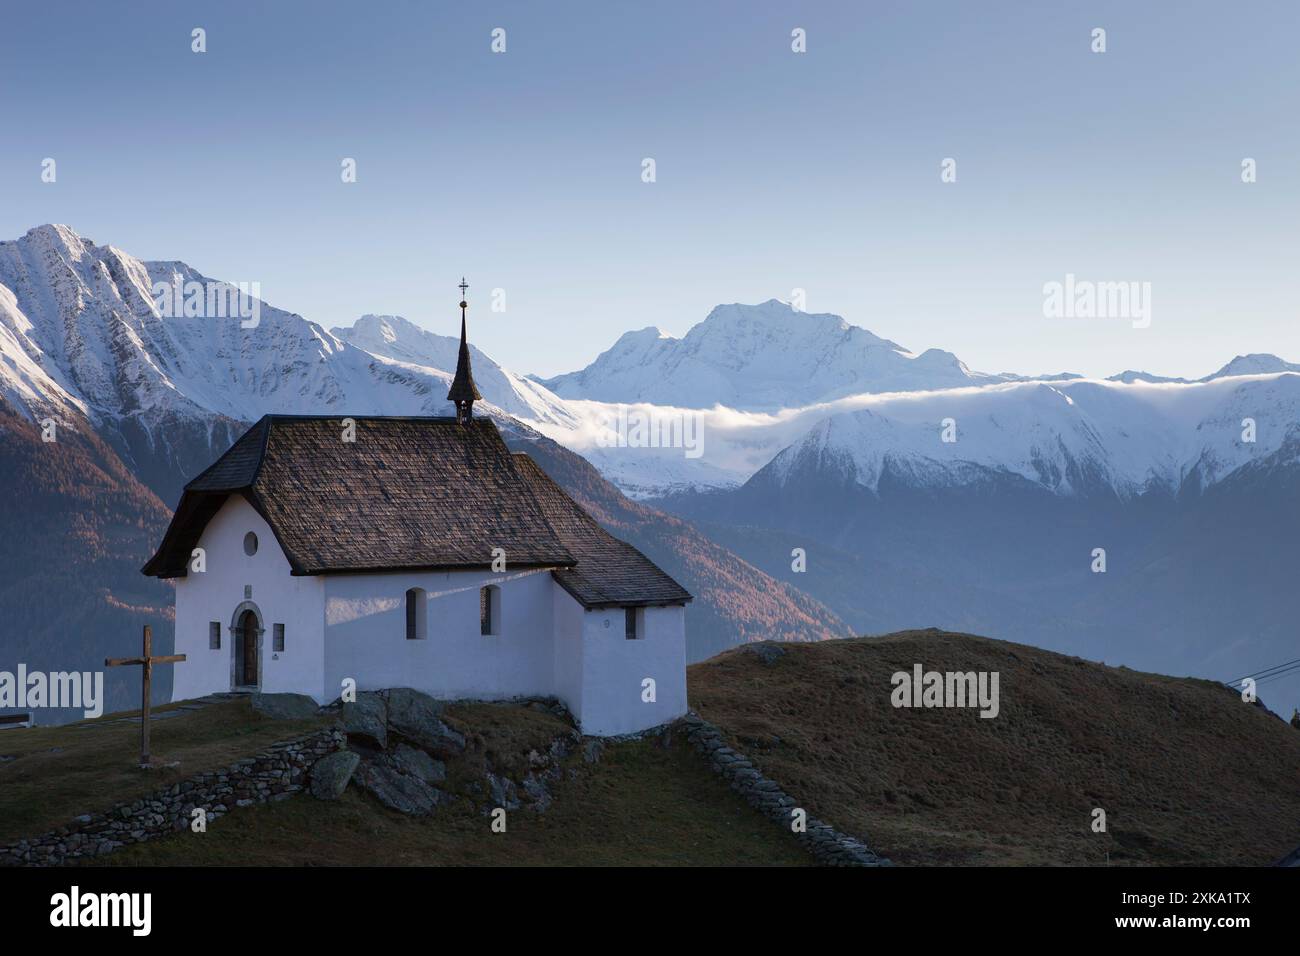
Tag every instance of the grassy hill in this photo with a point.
(644, 802)
(49, 775)
(1186, 772)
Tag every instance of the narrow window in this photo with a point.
(489, 610)
(214, 635)
(417, 618)
(250, 544)
(629, 623)
(277, 639)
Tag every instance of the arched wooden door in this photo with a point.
(246, 646)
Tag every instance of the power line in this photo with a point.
(1262, 673)
(1283, 673)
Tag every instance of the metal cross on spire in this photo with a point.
(463, 392)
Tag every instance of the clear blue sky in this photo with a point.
(775, 170)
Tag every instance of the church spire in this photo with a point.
(463, 391)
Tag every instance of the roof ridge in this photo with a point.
(262, 423)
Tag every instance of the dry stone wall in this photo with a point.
(275, 774)
(823, 841)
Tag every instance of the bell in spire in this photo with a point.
(463, 391)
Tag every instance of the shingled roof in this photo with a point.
(609, 572)
(409, 494)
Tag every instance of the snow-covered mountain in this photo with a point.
(147, 395)
(760, 358)
(999, 532)
(393, 337)
(80, 324)
(1077, 437)
(810, 432)
(81, 333)
(1257, 363)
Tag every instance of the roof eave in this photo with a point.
(606, 605)
(427, 568)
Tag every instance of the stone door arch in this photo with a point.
(246, 632)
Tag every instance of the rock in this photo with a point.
(417, 763)
(539, 798)
(768, 651)
(330, 776)
(503, 792)
(285, 706)
(367, 718)
(593, 749)
(415, 716)
(397, 791)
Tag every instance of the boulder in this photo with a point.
(769, 652)
(367, 719)
(330, 776)
(416, 717)
(398, 791)
(285, 706)
(417, 763)
(502, 791)
(535, 792)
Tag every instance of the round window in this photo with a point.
(250, 544)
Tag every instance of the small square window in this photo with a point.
(277, 638)
(214, 635)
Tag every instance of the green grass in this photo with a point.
(62, 772)
(641, 805)
(1186, 772)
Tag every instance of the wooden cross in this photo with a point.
(147, 661)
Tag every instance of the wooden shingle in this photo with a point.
(410, 494)
(609, 572)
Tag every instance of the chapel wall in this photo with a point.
(614, 670)
(365, 634)
(280, 598)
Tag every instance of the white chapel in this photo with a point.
(414, 552)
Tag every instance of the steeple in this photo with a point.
(463, 391)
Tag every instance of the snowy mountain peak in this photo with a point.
(57, 235)
(1129, 376)
(396, 338)
(759, 357)
(1079, 437)
(1257, 363)
(80, 329)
